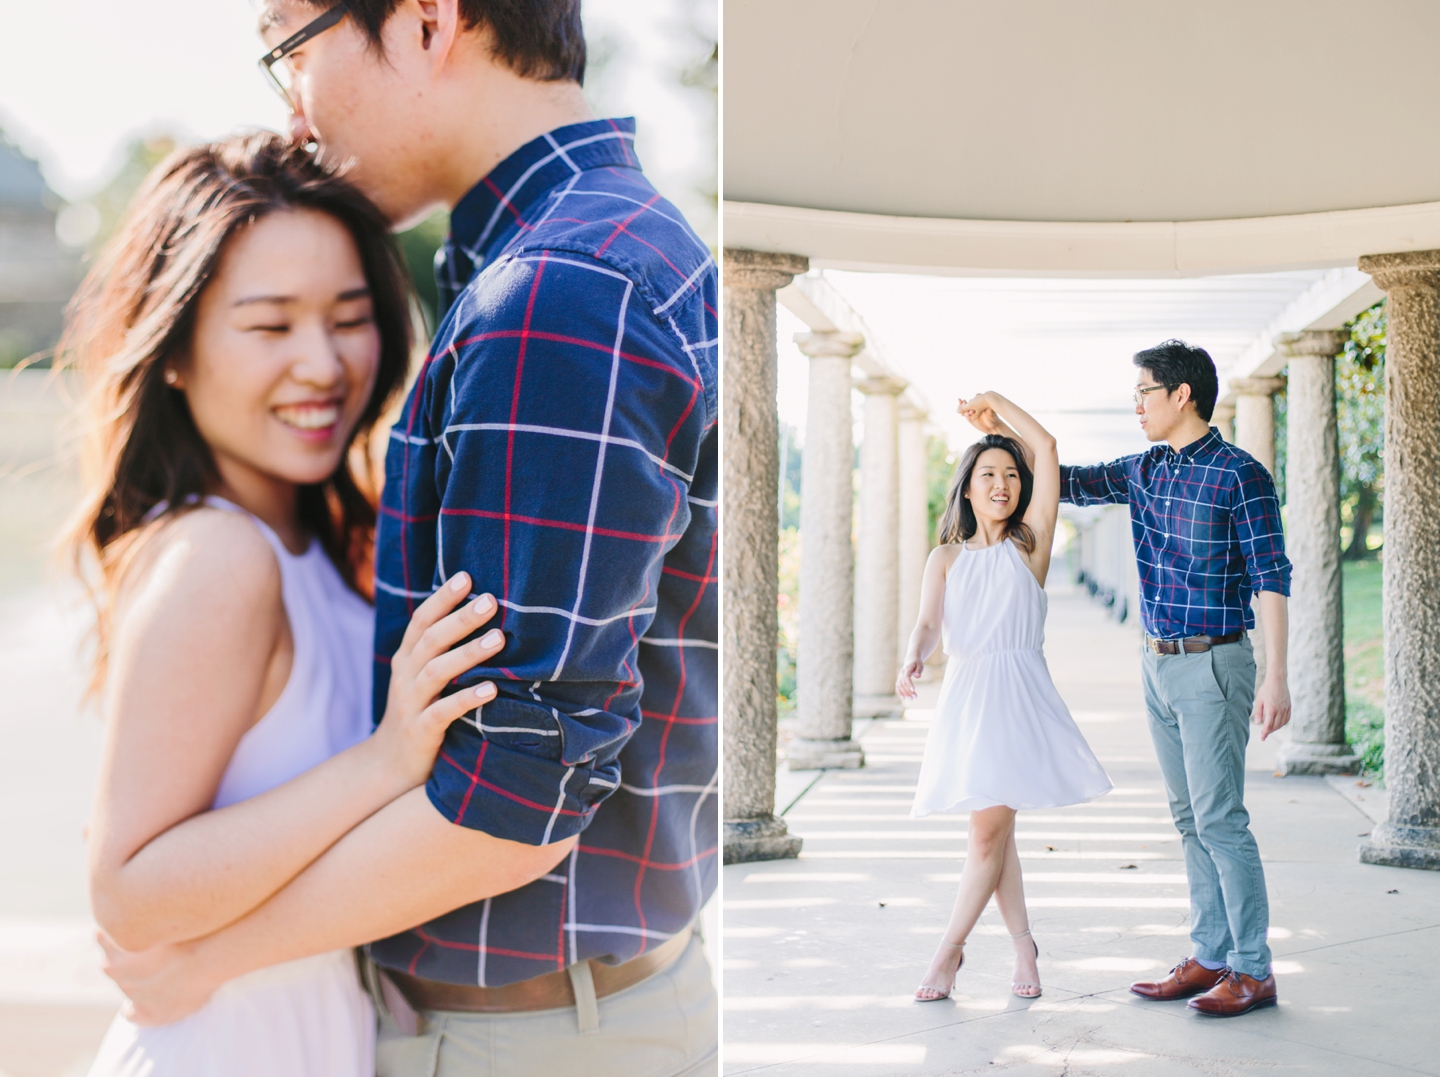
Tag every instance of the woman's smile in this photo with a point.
(314, 420)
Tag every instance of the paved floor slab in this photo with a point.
(822, 954)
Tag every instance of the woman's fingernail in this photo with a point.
(493, 638)
(485, 691)
(483, 605)
(459, 581)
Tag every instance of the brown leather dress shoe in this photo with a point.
(1185, 979)
(1235, 994)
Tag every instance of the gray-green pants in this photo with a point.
(1199, 709)
(664, 1026)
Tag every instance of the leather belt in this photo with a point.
(1191, 644)
(549, 991)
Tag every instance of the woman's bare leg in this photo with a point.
(1010, 897)
(984, 861)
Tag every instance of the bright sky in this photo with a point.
(78, 78)
(1059, 348)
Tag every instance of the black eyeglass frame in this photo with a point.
(294, 41)
(1140, 393)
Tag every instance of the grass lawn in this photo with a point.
(1364, 664)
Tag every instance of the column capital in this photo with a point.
(909, 413)
(1402, 268)
(831, 345)
(1256, 386)
(1312, 343)
(761, 269)
(881, 385)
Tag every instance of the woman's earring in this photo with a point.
(171, 378)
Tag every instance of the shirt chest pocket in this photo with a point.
(1201, 527)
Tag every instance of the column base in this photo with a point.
(1402, 847)
(888, 706)
(806, 754)
(1300, 758)
(765, 838)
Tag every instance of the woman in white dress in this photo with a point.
(1002, 739)
(244, 332)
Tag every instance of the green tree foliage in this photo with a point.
(1360, 412)
(113, 200)
(788, 610)
(940, 463)
(419, 245)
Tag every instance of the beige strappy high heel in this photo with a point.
(1016, 985)
(934, 994)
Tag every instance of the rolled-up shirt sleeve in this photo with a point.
(1097, 484)
(1259, 529)
(565, 428)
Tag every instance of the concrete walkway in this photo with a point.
(822, 954)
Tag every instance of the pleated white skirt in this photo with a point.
(1002, 735)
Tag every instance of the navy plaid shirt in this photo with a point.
(1207, 531)
(560, 445)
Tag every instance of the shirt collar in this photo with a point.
(1196, 449)
(535, 169)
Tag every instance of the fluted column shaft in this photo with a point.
(877, 568)
(826, 660)
(914, 520)
(1410, 837)
(1255, 433)
(1316, 742)
(750, 530)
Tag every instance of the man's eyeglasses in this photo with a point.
(279, 74)
(1140, 393)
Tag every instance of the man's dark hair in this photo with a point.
(537, 39)
(1174, 363)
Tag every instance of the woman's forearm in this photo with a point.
(215, 867)
(1034, 436)
(403, 866)
(923, 641)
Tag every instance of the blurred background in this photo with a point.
(92, 95)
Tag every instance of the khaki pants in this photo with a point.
(665, 1026)
(1199, 710)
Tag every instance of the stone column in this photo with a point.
(1410, 837)
(1316, 742)
(825, 667)
(1224, 418)
(914, 520)
(1255, 417)
(877, 560)
(750, 532)
(1255, 433)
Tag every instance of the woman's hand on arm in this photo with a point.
(190, 672)
(405, 865)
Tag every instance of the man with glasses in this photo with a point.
(560, 446)
(1208, 539)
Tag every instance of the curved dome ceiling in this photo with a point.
(1105, 111)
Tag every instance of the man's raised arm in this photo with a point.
(1096, 484)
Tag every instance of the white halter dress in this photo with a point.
(1001, 733)
(306, 1018)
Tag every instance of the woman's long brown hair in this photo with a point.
(958, 522)
(135, 311)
